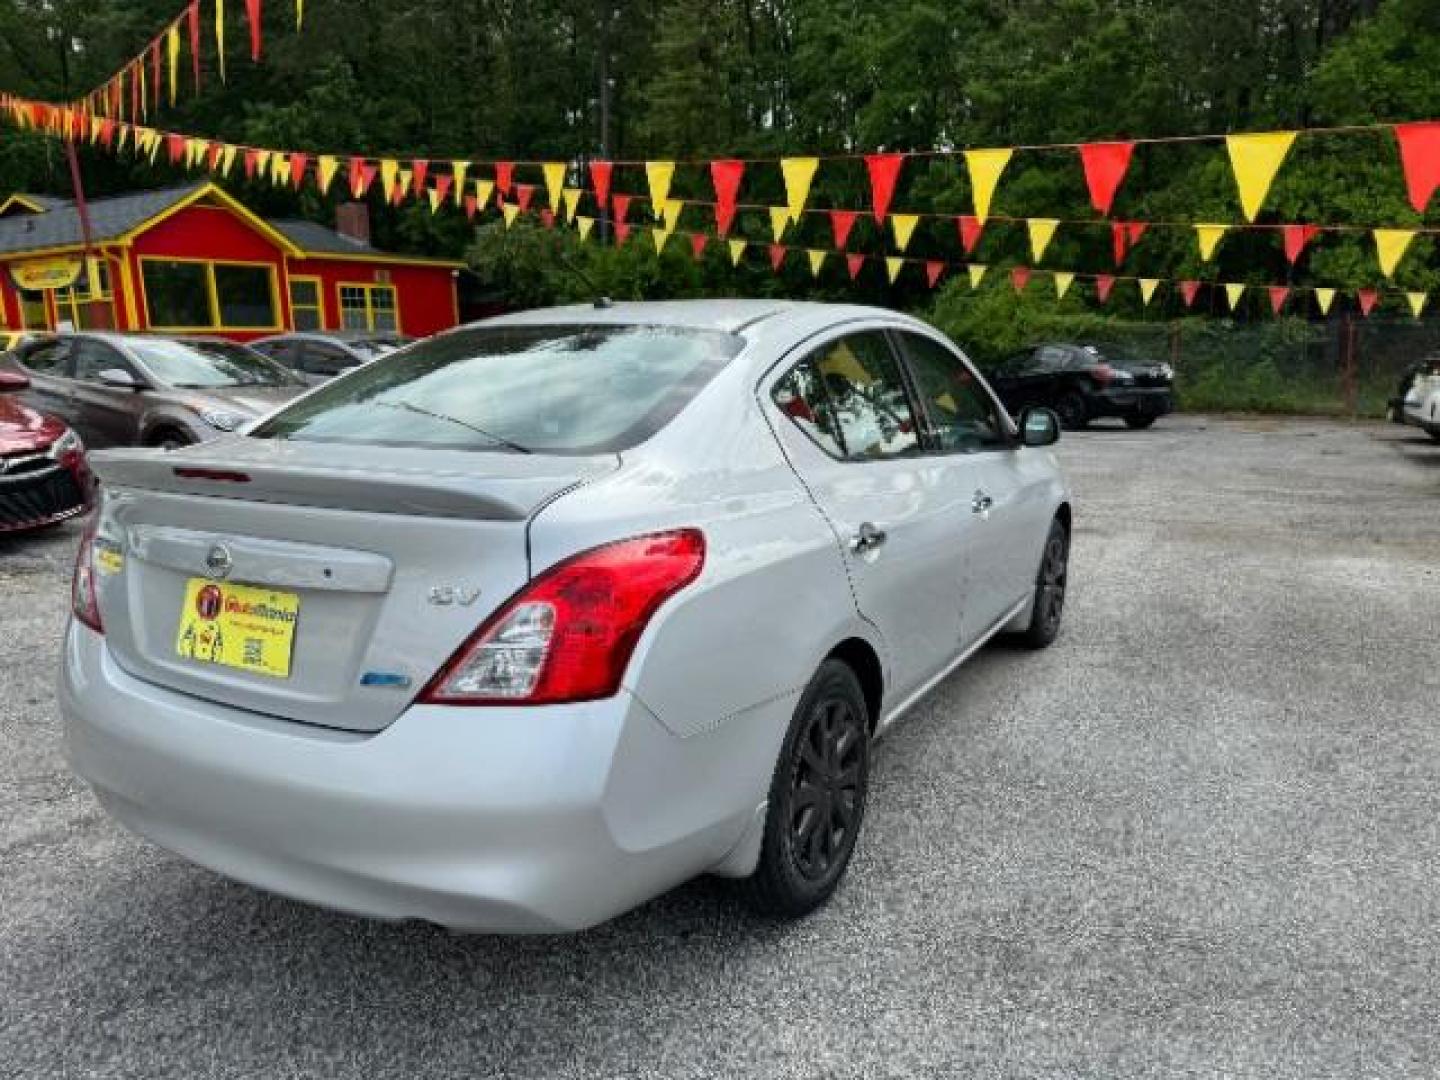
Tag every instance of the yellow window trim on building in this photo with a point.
(368, 288)
(69, 301)
(212, 296)
(318, 307)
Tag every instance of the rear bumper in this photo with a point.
(514, 820)
(1126, 401)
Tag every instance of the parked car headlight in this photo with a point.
(223, 419)
(68, 443)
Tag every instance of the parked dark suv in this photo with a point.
(1083, 383)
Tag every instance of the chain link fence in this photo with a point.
(1345, 366)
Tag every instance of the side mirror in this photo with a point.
(1039, 427)
(118, 378)
(12, 382)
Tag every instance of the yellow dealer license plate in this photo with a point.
(239, 626)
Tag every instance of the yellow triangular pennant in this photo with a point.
(1063, 280)
(1323, 299)
(798, 173)
(1417, 302)
(220, 36)
(1148, 285)
(817, 260)
(660, 236)
(671, 212)
(977, 274)
(904, 226)
(483, 190)
(1255, 159)
(554, 181)
(325, 168)
(434, 197)
(511, 212)
(658, 175)
(389, 177)
(227, 159)
(172, 51)
(985, 168)
(1042, 231)
(1390, 247)
(262, 162)
(1208, 236)
(279, 170)
(584, 225)
(458, 169)
(1233, 294)
(195, 152)
(779, 218)
(572, 202)
(299, 14)
(404, 180)
(893, 265)
(737, 251)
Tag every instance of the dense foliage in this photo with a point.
(686, 79)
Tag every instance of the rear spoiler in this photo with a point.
(426, 494)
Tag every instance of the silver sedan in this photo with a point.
(564, 609)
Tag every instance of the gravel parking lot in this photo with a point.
(1197, 837)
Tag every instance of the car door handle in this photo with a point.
(867, 538)
(982, 503)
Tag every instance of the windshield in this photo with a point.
(545, 389)
(207, 364)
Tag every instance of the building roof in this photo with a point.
(57, 225)
(26, 203)
(110, 219)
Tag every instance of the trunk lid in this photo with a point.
(375, 562)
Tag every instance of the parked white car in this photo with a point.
(551, 613)
(1422, 405)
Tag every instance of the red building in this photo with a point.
(195, 260)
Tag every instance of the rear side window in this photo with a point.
(48, 359)
(849, 397)
(543, 389)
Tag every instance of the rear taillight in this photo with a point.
(569, 634)
(1102, 374)
(82, 586)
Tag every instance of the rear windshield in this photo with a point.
(206, 365)
(531, 389)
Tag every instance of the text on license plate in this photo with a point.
(239, 626)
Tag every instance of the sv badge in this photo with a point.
(450, 595)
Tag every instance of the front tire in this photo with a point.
(817, 797)
(1050, 583)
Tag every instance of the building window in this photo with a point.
(368, 307)
(33, 315)
(78, 305)
(209, 296)
(305, 303)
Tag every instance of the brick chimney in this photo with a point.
(352, 219)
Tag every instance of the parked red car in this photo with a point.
(44, 477)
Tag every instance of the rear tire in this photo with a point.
(817, 798)
(1139, 423)
(1050, 583)
(1072, 412)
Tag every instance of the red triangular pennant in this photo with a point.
(841, 222)
(884, 171)
(697, 245)
(933, 269)
(1278, 295)
(1134, 230)
(1367, 298)
(1188, 291)
(443, 183)
(725, 175)
(1020, 277)
(419, 170)
(777, 255)
(107, 134)
(357, 175)
(600, 177)
(524, 193)
(622, 231)
(298, 164)
(853, 263)
(192, 14)
(1120, 241)
(547, 218)
(1420, 158)
(1296, 239)
(252, 13)
(1105, 167)
(155, 72)
(504, 176)
(472, 204)
(622, 206)
(970, 230)
(1103, 284)
(252, 161)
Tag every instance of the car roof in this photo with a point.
(337, 335)
(725, 315)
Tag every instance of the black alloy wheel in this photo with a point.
(817, 797)
(1050, 584)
